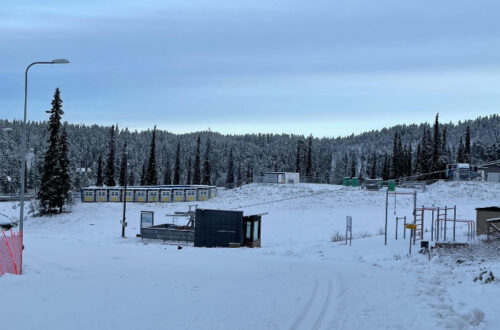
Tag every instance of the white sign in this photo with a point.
(146, 219)
(348, 223)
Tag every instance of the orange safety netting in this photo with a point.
(11, 249)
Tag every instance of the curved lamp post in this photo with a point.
(23, 141)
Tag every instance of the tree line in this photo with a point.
(96, 153)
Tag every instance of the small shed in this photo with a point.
(213, 192)
(492, 172)
(179, 195)
(101, 195)
(281, 177)
(130, 195)
(153, 195)
(221, 228)
(191, 195)
(482, 215)
(114, 195)
(140, 195)
(88, 195)
(166, 195)
(202, 194)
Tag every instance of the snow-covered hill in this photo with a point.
(79, 273)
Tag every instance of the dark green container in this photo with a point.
(347, 181)
(354, 182)
(391, 185)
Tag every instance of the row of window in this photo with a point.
(115, 193)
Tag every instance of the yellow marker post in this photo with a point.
(412, 228)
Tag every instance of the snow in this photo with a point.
(80, 274)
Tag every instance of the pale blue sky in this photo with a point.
(328, 68)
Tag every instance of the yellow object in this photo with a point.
(203, 198)
(165, 199)
(190, 199)
(129, 199)
(140, 199)
(114, 199)
(411, 226)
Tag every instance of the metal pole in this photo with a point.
(23, 158)
(386, 209)
(437, 224)
(411, 234)
(454, 221)
(397, 220)
(415, 213)
(404, 225)
(432, 226)
(445, 221)
(345, 231)
(124, 221)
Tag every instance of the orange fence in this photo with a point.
(11, 249)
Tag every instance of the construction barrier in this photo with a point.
(11, 249)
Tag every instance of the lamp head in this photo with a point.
(60, 61)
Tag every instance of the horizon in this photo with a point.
(209, 129)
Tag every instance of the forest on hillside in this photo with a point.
(379, 153)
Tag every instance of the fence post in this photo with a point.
(454, 221)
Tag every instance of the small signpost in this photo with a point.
(412, 228)
(147, 219)
(348, 229)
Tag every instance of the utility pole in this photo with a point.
(124, 220)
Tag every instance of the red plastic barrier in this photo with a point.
(11, 249)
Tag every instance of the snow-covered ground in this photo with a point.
(80, 274)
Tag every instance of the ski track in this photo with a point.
(320, 301)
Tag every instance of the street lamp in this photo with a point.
(23, 140)
(124, 220)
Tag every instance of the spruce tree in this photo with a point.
(460, 152)
(50, 187)
(416, 167)
(230, 170)
(409, 161)
(239, 178)
(123, 165)
(373, 170)
(109, 174)
(297, 157)
(177, 167)
(151, 174)
(249, 173)
(309, 170)
(99, 181)
(207, 169)
(167, 175)
(189, 171)
(386, 169)
(436, 144)
(131, 178)
(396, 157)
(353, 166)
(197, 163)
(467, 155)
(65, 187)
(143, 174)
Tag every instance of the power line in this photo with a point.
(281, 200)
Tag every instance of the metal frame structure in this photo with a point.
(414, 194)
(404, 226)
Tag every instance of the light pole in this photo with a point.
(124, 221)
(23, 140)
